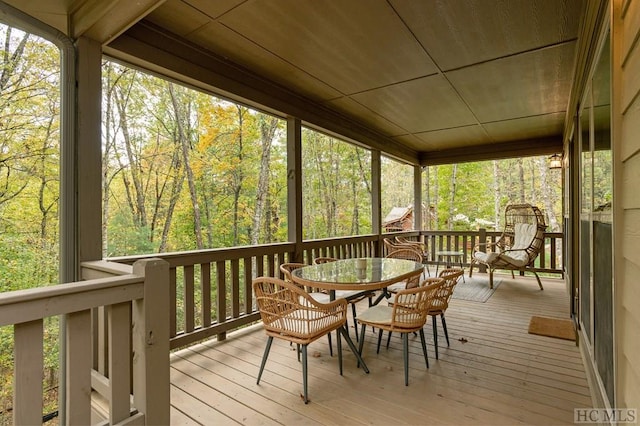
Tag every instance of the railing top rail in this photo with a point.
(35, 303)
(210, 255)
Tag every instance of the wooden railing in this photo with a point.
(549, 260)
(134, 302)
(211, 293)
(118, 333)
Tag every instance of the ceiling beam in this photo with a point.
(522, 148)
(103, 21)
(148, 47)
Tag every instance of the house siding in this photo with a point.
(626, 121)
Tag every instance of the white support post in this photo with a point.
(151, 342)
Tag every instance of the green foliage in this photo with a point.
(336, 187)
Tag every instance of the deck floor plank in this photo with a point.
(500, 374)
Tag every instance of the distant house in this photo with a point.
(398, 219)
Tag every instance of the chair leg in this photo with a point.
(330, 345)
(361, 343)
(491, 278)
(435, 334)
(298, 351)
(424, 347)
(304, 373)
(339, 345)
(405, 350)
(264, 357)
(355, 324)
(379, 339)
(444, 327)
(388, 339)
(538, 278)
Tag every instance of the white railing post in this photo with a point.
(151, 342)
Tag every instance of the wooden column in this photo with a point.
(151, 342)
(89, 164)
(294, 185)
(376, 198)
(417, 198)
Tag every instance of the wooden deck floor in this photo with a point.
(494, 373)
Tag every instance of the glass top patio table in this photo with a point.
(369, 273)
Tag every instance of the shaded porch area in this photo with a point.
(494, 372)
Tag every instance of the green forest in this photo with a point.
(186, 170)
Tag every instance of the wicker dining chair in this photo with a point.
(318, 296)
(416, 245)
(407, 254)
(352, 296)
(291, 314)
(407, 314)
(324, 259)
(441, 303)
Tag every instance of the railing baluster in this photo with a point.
(78, 377)
(27, 387)
(260, 265)
(189, 301)
(205, 285)
(173, 301)
(119, 361)
(248, 289)
(235, 288)
(271, 265)
(221, 313)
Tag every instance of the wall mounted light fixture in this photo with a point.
(555, 161)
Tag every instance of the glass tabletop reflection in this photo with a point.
(356, 272)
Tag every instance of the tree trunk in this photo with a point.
(182, 124)
(436, 198)
(534, 194)
(268, 128)
(547, 196)
(326, 180)
(137, 202)
(497, 196)
(176, 189)
(238, 174)
(355, 220)
(521, 178)
(452, 199)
